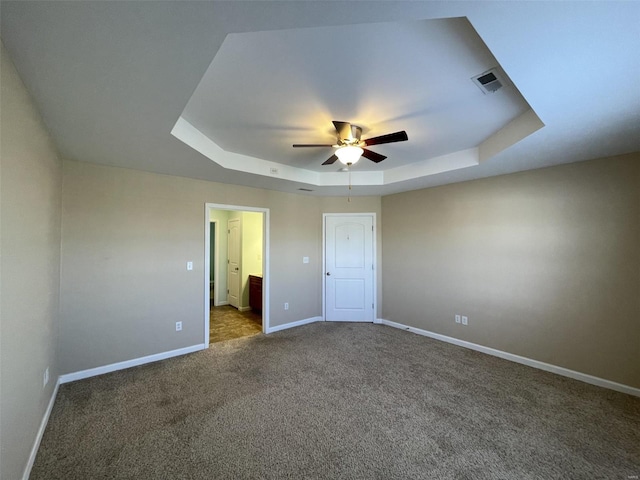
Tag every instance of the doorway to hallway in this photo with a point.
(236, 303)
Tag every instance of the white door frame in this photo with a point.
(324, 261)
(216, 261)
(265, 261)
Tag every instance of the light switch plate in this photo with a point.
(305, 259)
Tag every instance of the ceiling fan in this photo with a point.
(350, 147)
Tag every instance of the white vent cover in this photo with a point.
(490, 81)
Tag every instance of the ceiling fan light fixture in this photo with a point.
(349, 154)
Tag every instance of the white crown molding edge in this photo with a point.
(194, 138)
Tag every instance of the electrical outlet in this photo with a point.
(286, 305)
(178, 326)
(457, 318)
(189, 266)
(465, 320)
(45, 377)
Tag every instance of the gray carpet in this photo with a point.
(350, 401)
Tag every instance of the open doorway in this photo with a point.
(236, 251)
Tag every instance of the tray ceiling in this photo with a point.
(264, 91)
(112, 80)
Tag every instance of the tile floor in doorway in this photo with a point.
(227, 323)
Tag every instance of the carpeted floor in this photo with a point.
(348, 401)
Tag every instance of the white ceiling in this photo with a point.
(111, 80)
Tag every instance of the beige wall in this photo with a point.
(545, 263)
(30, 186)
(127, 236)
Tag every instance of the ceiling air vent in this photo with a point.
(490, 81)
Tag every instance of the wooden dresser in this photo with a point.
(255, 292)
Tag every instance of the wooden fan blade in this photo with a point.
(304, 145)
(332, 159)
(373, 156)
(388, 138)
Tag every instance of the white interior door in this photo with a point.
(233, 274)
(349, 268)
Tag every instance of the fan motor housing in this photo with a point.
(349, 135)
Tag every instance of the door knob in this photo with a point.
(328, 274)
(236, 268)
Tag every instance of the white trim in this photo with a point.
(216, 264)
(207, 268)
(374, 259)
(565, 372)
(222, 303)
(324, 267)
(244, 309)
(191, 136)
(266, 219)
(43, 426)
(92, 372)
(266, 277)
(298, 323)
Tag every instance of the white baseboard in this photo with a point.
(92, 372)
(244, 309)
(43, 426)
(294, 324)
(565, 372)
(220, 304)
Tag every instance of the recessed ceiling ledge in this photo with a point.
(190, 135)
(512, 133)
(432, 166)
(516, 130)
